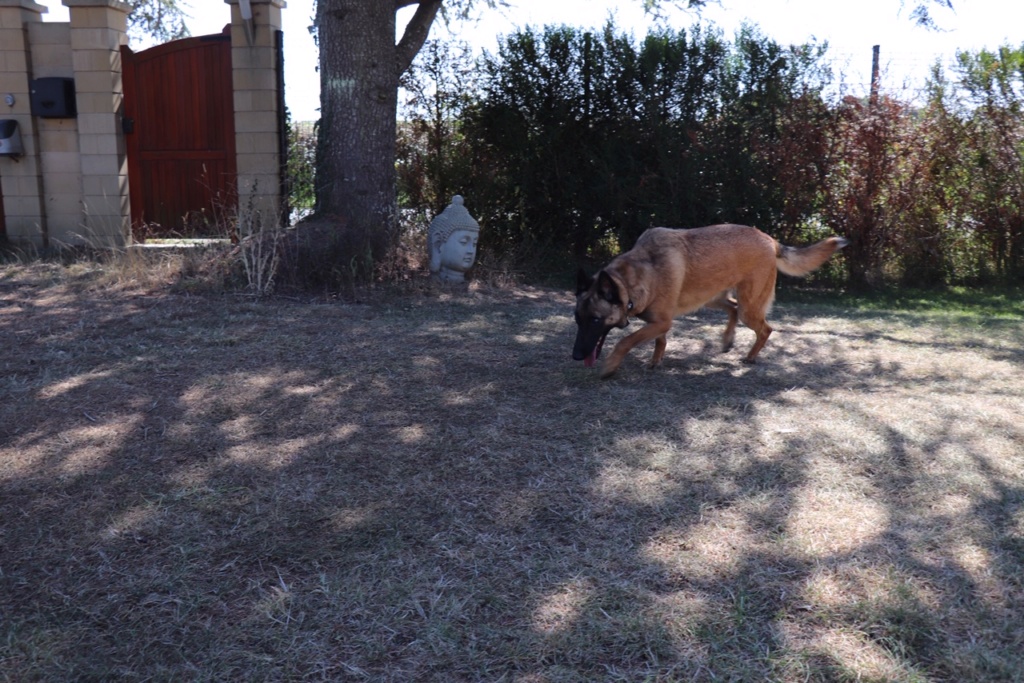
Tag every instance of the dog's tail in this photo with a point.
(799, 261)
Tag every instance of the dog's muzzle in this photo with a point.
(589, 342)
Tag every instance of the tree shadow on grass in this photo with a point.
(428, 489)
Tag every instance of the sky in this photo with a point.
(851, 28)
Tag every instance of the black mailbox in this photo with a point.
(10, 139)
(53, 98)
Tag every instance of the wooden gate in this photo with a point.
(179, 125)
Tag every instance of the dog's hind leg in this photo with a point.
(754, 303)
(724, 302)
(763, 330)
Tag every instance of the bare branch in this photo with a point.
(415, 33)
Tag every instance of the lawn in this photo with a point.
(421, 485)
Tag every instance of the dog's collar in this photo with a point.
(629, 306)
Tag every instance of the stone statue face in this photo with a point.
(459, 251)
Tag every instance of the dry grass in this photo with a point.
(426, 488)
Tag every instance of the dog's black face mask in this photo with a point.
(598, 306)
(590, 334)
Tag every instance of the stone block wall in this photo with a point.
(255, 78)
(59, 156)
(21, 182)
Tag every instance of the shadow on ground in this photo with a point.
(429, 489)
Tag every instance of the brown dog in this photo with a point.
(670, 272)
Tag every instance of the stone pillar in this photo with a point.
(21, 179)
(59, 160)
(98, 29)
(258, 107)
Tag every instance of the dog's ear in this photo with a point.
(583, 281)
(607, 288)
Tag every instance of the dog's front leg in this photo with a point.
(659, 350)
(649, 331)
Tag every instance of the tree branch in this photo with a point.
(415, 33)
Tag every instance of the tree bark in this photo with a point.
(360, 65)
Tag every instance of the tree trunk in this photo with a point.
(358, 103)
(360, 66)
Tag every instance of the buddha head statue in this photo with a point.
(451, 240)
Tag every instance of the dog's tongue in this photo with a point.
(590, 360)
